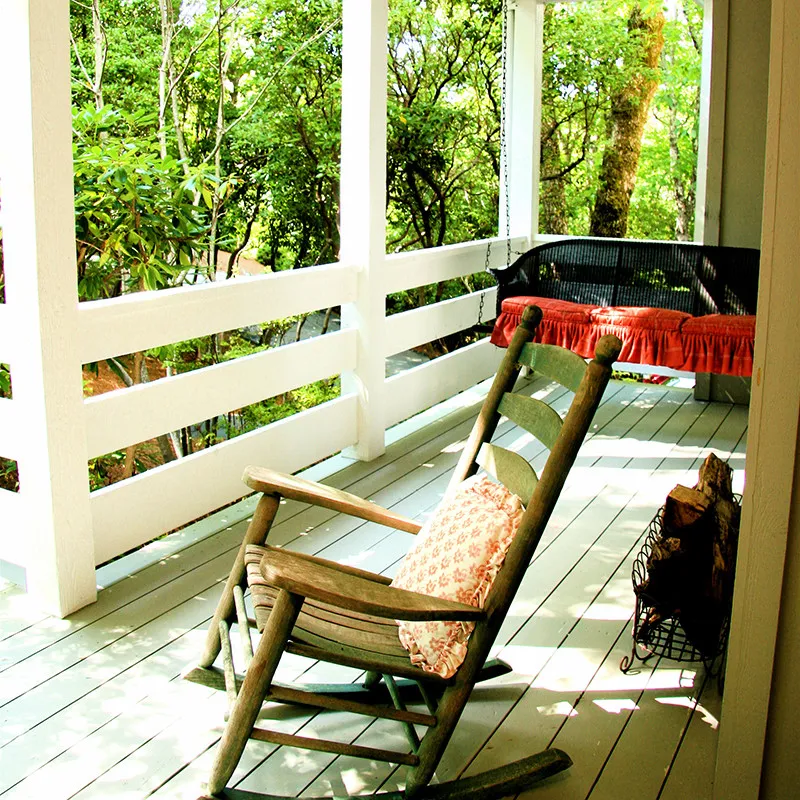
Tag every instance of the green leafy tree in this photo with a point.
(628, 114)
(136, 223)
(595, 60)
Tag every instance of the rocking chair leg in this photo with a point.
(256, 684)
(256, 534)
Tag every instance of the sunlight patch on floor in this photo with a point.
(616, 705)
(562, 709)
(689, 702)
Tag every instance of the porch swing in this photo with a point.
(679, 306)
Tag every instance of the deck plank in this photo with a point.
(692, 771)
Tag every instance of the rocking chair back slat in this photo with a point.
(510, 468)
(556, 363)
(533, 415)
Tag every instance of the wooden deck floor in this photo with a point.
(93, 707)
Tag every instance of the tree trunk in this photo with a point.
(327, 321)
(224, 54)
(130, 452)
(683, 190)
(629, 109)
(100, 53)
(552, 196)
(163, 74)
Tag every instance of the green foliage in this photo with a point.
(136, 224)
(246, 150)
(9, 475)
(443, 115)
(5, 381)
(132, 33)
(300, 399)
(589, 55)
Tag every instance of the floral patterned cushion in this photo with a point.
(456, 556)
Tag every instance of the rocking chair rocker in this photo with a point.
(342, 615)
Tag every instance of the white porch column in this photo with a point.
(711, 138)
(363, 208)
(42, 303)
(757, 749)
(522, 119)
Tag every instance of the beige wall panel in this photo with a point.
(745, 123)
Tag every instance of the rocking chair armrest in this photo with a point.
(323, 583)
(293, 488)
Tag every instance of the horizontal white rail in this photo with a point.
(14, 533)
(421, 387)
(413, 328)
(6, 335)
(150, 319)
(422, 267)
(133, 512)
(128, 416)
(12, 431)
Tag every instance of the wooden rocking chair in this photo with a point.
(334, 613)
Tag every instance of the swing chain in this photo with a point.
(503, 154)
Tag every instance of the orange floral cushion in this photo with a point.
(456, 556)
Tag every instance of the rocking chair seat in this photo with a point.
(324, 630)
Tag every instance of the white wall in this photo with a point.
(781, 771)
(757, 754)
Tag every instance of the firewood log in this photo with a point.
(691, 566)
(715, 479)
(684, 507)
(726, 538)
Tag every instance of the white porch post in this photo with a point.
(711, 138)
(522, 119)
(756, 753)
(363, 208)
(42, 304)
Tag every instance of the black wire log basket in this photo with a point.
(665, 638)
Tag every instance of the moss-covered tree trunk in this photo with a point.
(629, 109)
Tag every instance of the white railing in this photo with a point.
(150, 319)
(131, 512)
(46, 335)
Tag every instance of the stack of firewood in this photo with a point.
(691, 566)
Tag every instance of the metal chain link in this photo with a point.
(503, 153)
(503, 116)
